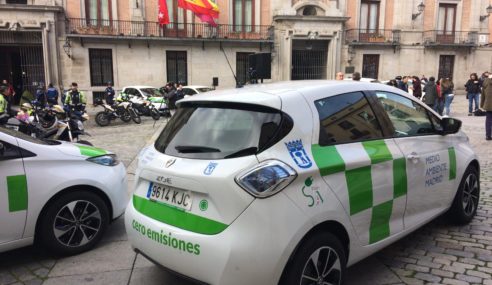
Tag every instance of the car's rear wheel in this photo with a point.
(467, 197)
(319, 260)
(74, 223)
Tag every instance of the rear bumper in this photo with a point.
(252, 250)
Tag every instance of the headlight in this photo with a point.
(266, 179)
(80, 125)
(107, 159)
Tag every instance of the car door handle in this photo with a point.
(413, 156)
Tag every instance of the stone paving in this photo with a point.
(438, 253)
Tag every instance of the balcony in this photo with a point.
(453, 39)
(79, 27)
(364, 37)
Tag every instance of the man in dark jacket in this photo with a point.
(486, 104)
(430, 90)
(403, 84)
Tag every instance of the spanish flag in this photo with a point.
(206, 10)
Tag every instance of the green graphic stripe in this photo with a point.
(377, 151)
(380, 228)
(452, 163)
(399, 177)
(91, 151)
(176, 217)
(17, 192)
(359, 183)
(328, 159)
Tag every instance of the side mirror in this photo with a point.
(450, 126)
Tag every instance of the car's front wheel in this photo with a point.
(465, 202)
(319, 260)
(74, 223)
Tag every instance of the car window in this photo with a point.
(9, 151)
(408, 117)
(189, 91)
(204, 89)
(25, 137)
(152, 92)
(221, 130)
(346, 118)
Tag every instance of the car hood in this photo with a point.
(80, 150)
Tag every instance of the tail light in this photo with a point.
(266, 179)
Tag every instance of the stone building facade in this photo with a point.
(95, 41)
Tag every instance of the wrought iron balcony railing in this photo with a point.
(119, 28)
(372, 36)
(451, 38)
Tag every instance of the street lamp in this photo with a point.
(67, 48)
(420, 8)
(489, 10)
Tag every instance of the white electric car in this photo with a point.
(292, 182)
(59, 194)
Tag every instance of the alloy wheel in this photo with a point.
(470, 194)
(322, 268)
(77, 223)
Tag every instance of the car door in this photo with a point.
(361, 166)
(430, 157)
(13, 190)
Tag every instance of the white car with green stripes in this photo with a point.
(290, 183)
(59, 194)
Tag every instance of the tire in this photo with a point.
(331, 259)
(467, 197)
(102, 119)
(135, 117)
(84, 142)
(155, 114)
(126, 116)
(69, 232)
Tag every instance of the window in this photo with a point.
(177, 69)
(101, 66)
(177, 16)
(447, 17)
(408, 117)
(346, 118)
(189, 91)
(243, 14)
(98, 12)
(16, 1)
(370, 65)
(242, 67)
(309, 11)
(369, 16)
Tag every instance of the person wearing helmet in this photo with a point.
(75, 99)
(4, 115)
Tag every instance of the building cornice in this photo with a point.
(30, 8)
(310, 18)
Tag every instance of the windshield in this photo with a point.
(25, 137)
(151, 92)
(204, 89)
(221, 130)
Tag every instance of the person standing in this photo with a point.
(52, 95)
(472, 88)
(109, 94)
(403, 84)
(431, 96)
(4, 104)
(356, 76)
(417, 87)
(447, 90)
(339, 76)
(486, 104)
(75, 99)
(40, 96)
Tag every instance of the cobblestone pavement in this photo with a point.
(438, 253)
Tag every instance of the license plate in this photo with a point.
(170, 196)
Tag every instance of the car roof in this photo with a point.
(196, 86)
(139, 87)
(271, 94)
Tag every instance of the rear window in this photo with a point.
(204, 130)
(203, 90)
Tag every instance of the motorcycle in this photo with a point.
(122, 110)
(144, 108)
